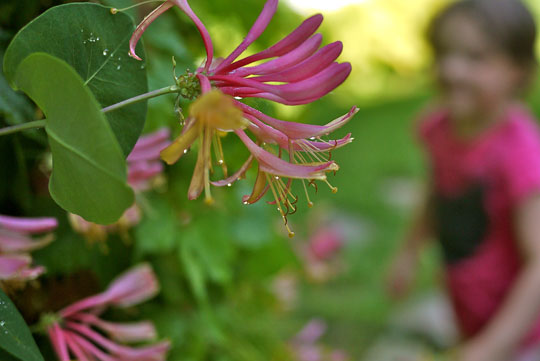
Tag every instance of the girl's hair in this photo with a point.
(508, 23)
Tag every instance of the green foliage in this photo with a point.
(95, 43)
(89, 174)
(15, 337)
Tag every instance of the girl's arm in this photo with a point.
(403, 267)
(521, 309)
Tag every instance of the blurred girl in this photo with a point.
(484, 199)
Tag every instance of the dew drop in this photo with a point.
(2, 323)
(238, 98)
(312, 138)
(118, 67)
(185, 151)
(220, 161)
(119, 58)
(82, 30)
(97, 39)
(276, 177)
(229, 185)
(105, 52)
(143, 66)
(245, 202)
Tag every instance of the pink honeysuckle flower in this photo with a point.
(16, 242)
(144, 168)
(73, 330)
(326, 242)
(295, 70)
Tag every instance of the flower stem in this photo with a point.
(17, 128)
(155, 93)
(41, 123)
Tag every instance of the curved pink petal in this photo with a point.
(206, 86)
(300, 92)
(149, 146)
(141, 172)
(133, 286)
(122, 332)
(151, 139)
(183, 4)
(299, 130)
(271, 164)
(90, 348)
(237, 175)
(141, 28)
(28, 225)
(154, 352)
(15, 242)
(76, 348)
(11, 266)
(285, 45)
(256, 30)
(295, 56)
(58, 342)
(312, 65)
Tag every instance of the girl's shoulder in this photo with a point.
(521, 127)
(429, 121)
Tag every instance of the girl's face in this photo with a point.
(475, 77)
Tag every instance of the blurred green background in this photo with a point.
(219, 267)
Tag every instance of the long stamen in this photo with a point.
(310, 203)
(332, 188)
(280, 208)
(207, 144)
(219, 154)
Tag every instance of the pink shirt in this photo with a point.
(477, 186)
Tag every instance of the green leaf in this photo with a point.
(89, 170)
(15, 337)
(95, 43)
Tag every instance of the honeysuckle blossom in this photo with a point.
(144, 169)
(16, 243)
(318, 253)
(72, 330)
(295, 70)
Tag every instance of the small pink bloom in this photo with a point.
(73, 333)
(16, 242)
(326, 242)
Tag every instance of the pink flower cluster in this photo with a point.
(16, 243)
(144, 166)
(295, 70)
(72, 331)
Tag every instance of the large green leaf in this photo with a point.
(89, 170)
(15, 337)
(95, 43)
